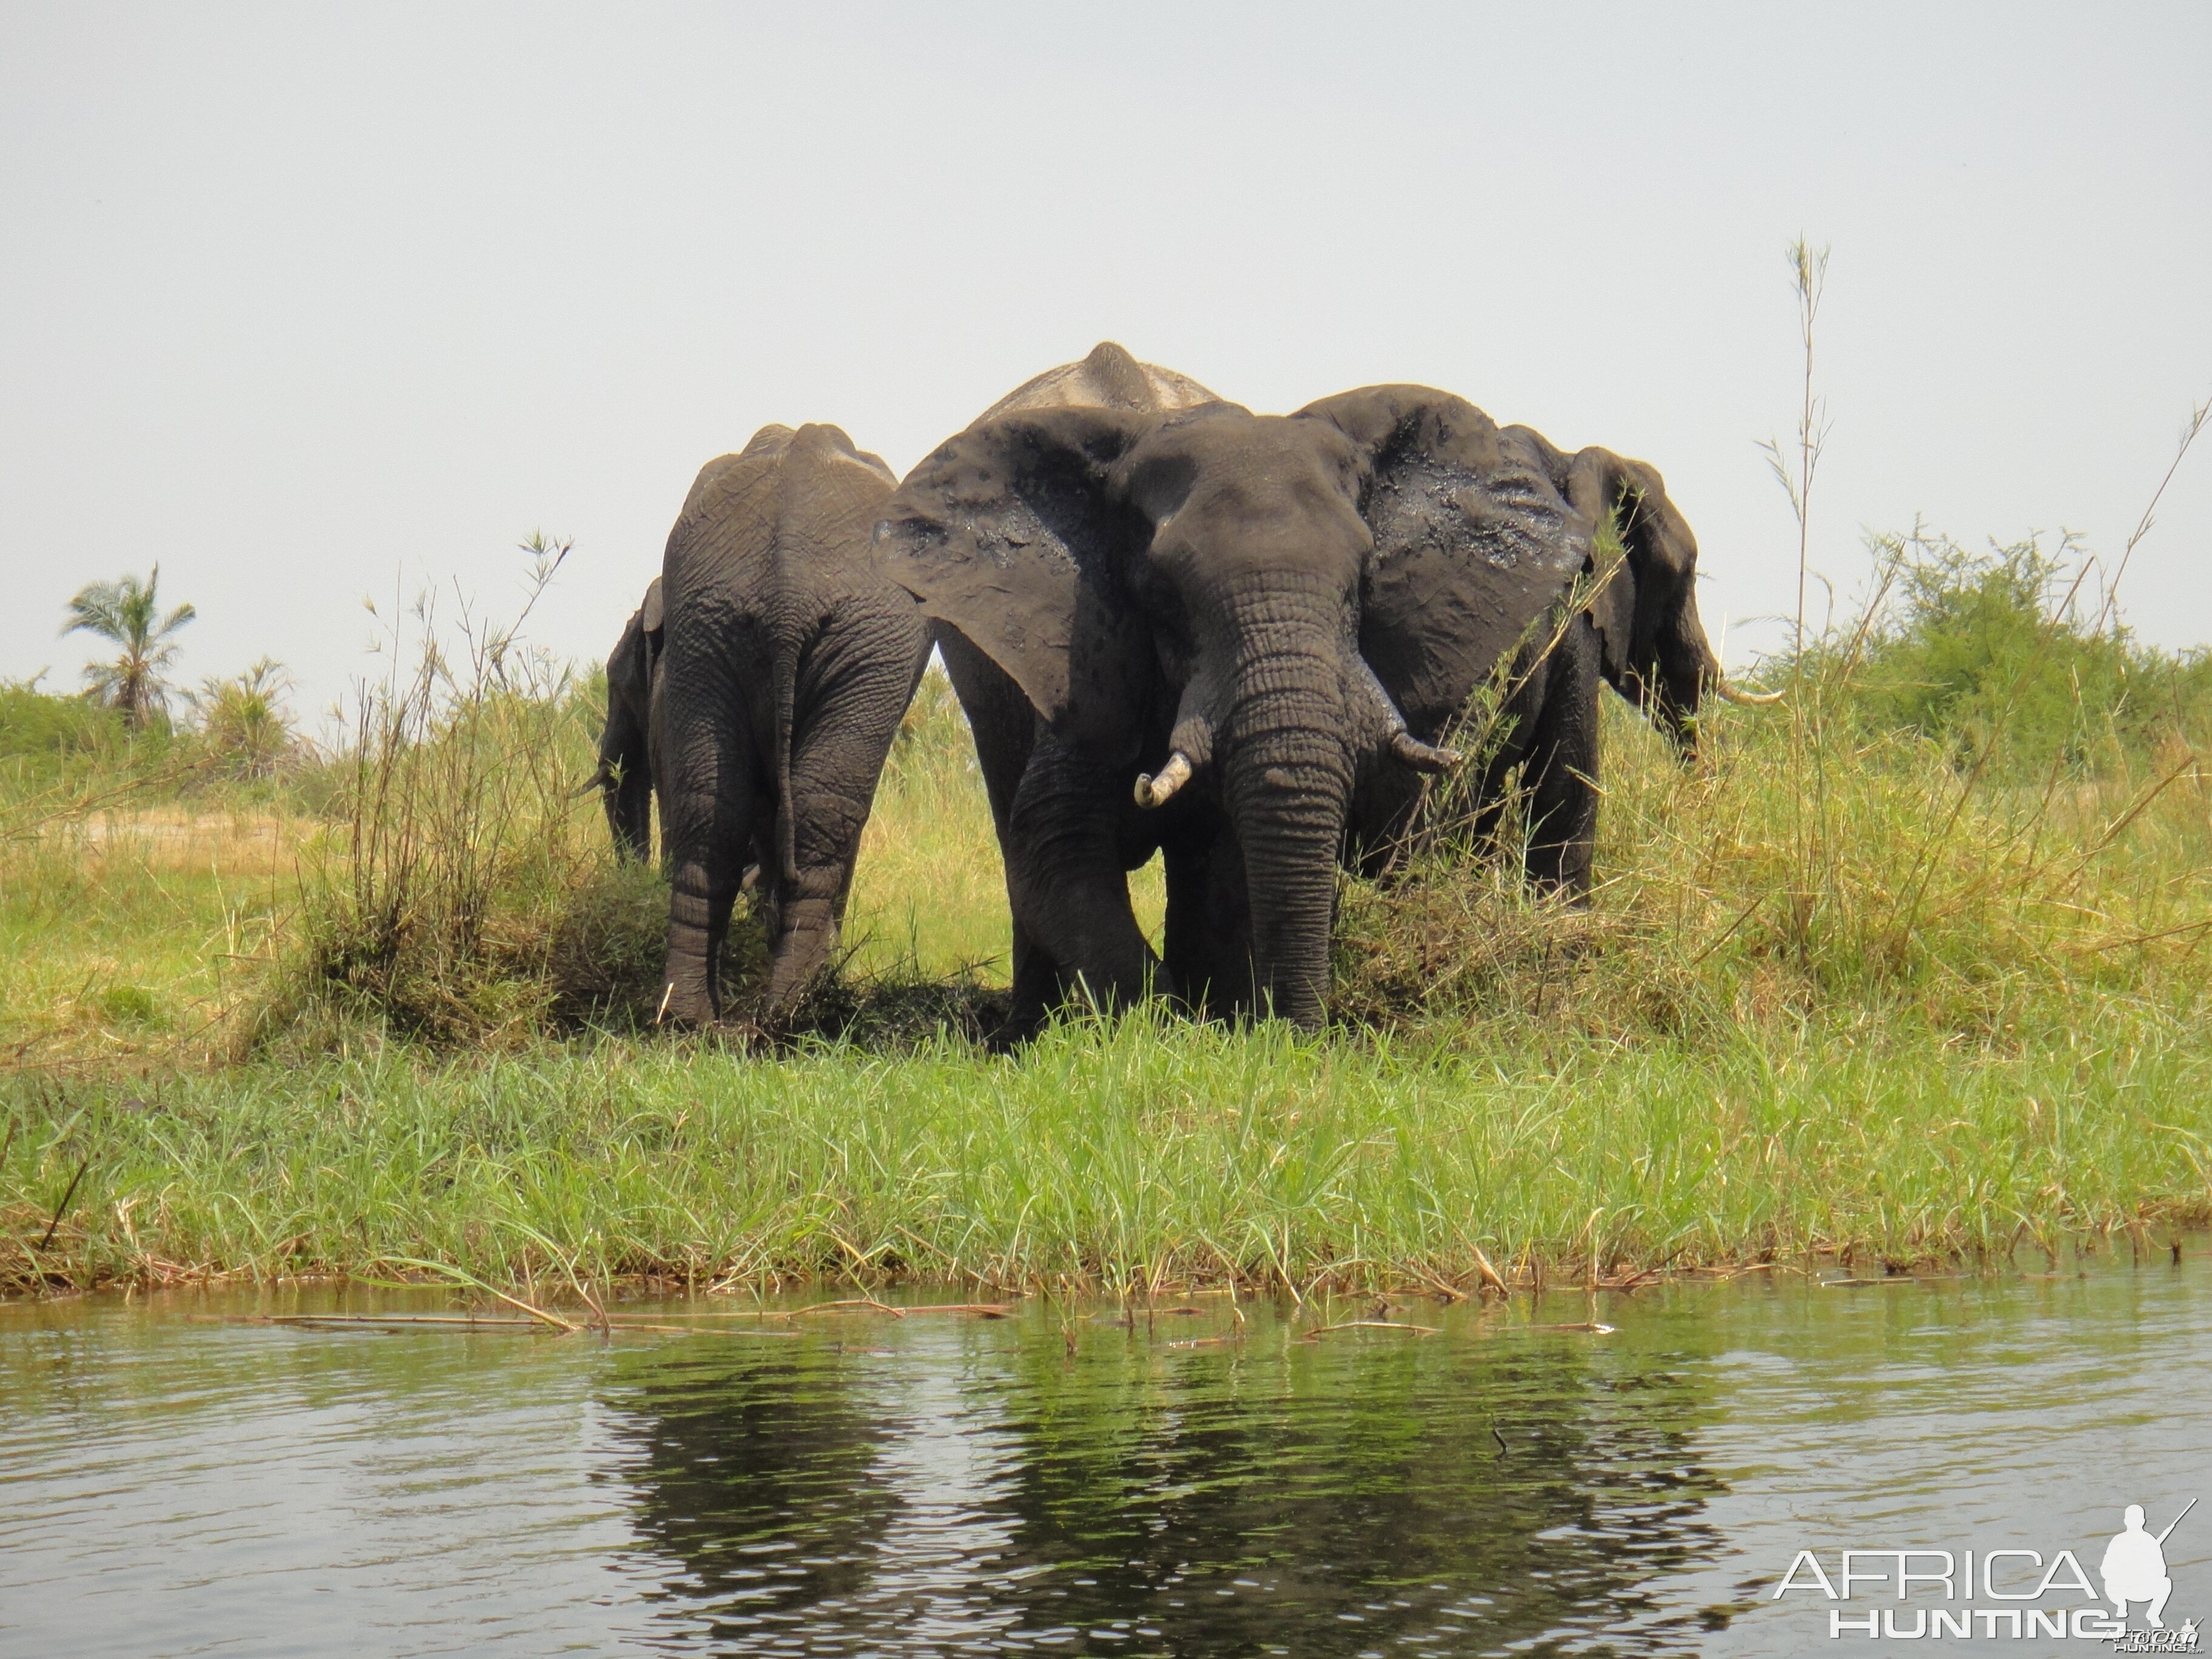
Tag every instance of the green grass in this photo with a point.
(1849, 983)
(129, 938)
(1139, 1151)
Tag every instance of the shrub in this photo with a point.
(1991, 656)
(1790, 875)
(1977, 804)
(245, 724)
(465, 893)
(35, 725)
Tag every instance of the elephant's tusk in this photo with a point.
(1749, 699)
(1154, 791)
(1422, 757)
(599, 779)
(1405, 748)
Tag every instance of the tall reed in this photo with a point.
(466, 893)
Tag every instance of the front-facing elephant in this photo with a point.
(787, 661)
(1001, 717)
(1246, 634)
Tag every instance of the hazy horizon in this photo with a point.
(309, 305)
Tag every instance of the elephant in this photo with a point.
(1636, 628)
(785, 664)
(624, 777)
(1244, 638)
(999, 713)
(1001, 717)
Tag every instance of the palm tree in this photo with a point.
(127, 613)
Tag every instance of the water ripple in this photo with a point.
(168, 1487)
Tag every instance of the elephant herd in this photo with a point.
(1175, 627)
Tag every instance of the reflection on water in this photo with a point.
(1058, 1482)
(977, 1492)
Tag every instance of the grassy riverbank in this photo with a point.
(1862, 980)
(1140, 1151)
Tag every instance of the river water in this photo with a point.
(1058, 1482)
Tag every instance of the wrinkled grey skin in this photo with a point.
(624, 777)
(1636, 628)
(999, 714)
(787, 662)
(1288, 612)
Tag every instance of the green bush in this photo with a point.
(466, 893)
(36, 726)
(1995, 657)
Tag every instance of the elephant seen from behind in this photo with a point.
(785, 662)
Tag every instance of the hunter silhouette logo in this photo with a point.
(2007, 1593)
(2133, 1567)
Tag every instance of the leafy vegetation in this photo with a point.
(1993, 656)
(1840, 858)
(1143, 1150)
(245, 727)
(37, 727)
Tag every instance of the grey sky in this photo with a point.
(309, 302)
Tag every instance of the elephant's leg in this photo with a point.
(999, 719)
(1037, 984)
(1208, 942)
(1484, 822)
(1064, 873)
(709, 796)
(853, 687)
(1005, 729)
(1561, 778)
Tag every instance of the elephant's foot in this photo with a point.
(744, 1035)
(686, 1004)
(1022, 1023)
(804, 954)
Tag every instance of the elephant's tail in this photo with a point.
(784, 672)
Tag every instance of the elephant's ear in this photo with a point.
(1473, 543)
(1010, 534)
(649, 617)
(1645, 558)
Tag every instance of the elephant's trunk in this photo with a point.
(1287, 780)
(1680, 672)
